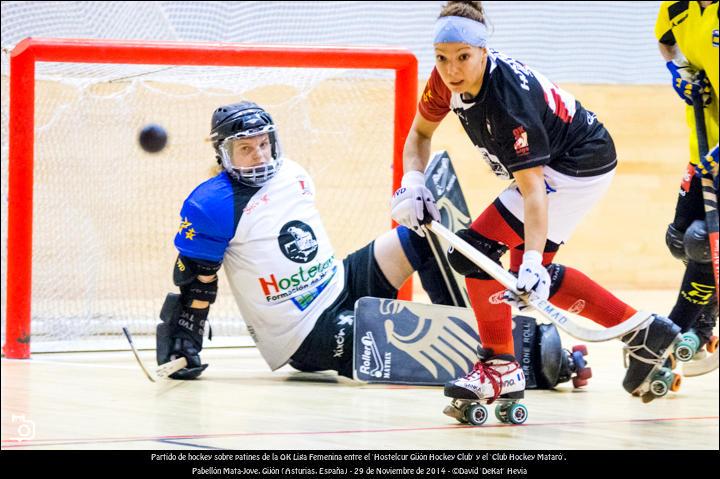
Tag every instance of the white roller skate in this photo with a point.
(495, 379)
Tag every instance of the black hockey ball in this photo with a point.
(153, 138)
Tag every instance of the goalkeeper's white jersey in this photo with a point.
(276, 253)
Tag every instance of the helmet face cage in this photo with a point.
(245, 120)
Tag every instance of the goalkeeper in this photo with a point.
(258, 218)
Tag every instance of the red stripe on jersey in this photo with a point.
(561, 110)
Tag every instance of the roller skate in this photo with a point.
(574, 366)
(552, 364)
(691, 345)
(700, 345)
(647, 350)
(497, 379)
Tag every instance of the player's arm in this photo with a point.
(525, 149)
(201, 243)
(184, 316)
(416, 153)
(683, 75)
(532, 275)
(531, 183)
(413, 204)
(668, 52)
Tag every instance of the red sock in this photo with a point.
(492, 315)
(581, 295)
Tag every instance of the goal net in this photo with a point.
(104, 213)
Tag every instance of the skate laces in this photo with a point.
(632, 351)
(482, 371)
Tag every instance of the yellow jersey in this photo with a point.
(695, 31)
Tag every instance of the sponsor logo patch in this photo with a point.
(298, 242)
(371, 362)
(496, 298)
(521, 141)
(577, 306)
(303, 286)
(252, 206)
(343, 320)
(700, 293)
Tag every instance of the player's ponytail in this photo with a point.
(471, 10)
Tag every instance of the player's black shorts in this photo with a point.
(330, 344)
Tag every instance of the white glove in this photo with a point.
(532, 276)
(413, 204)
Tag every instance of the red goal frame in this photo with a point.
(22, 124)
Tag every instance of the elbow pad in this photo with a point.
(185, 275)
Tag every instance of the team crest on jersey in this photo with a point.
(298, 242)
(521, 141)
(427, 94)
(304, 185)
(494, 162)
(185, 226)
(715, 38)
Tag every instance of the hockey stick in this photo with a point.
(137, 356)
(171, 367)
(698, 367)
(708, 189)
(544, 307)
(162, 371)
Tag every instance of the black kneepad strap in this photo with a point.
(674, 241)
(491, 249)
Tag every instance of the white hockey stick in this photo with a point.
(544, 307)
(698, 367)
(162, 371)
(165, 370)
(137, 356)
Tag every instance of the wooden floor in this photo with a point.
(103, 401)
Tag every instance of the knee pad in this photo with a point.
(416, 248)
(696, 243)
(491, 249)
(437, 281)
(675, 243)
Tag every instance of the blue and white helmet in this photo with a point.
(244, 120)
